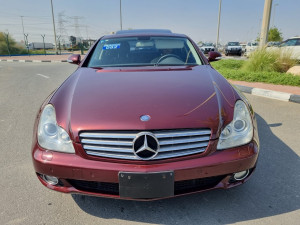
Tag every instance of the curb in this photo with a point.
(35, 61)
(283, 96)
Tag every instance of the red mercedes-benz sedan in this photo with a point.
(145, 116)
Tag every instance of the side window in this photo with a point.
(291, 42)
(298, 42)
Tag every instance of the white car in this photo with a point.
(251, 47)
(207, 47)
(293, 45)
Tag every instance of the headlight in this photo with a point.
(50, 135)
(239, 131)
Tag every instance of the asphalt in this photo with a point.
(271, 196)
(279, 92)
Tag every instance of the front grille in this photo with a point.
(180, 187)
(96, 187)
(187, 186)
(119, 144)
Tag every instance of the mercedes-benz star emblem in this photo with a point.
(145, 118)
(145, 146)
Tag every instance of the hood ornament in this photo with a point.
(145, 118)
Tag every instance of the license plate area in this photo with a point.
(146, 185)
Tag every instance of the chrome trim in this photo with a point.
(100, 142)
(182, 141)
(109, 135)
(145, 146)
(107, 149)
(183, 147)
(120, 144)
(160, 134)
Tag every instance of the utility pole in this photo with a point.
(58, 38)
(219, 17)
(265, 23)
(121, 14)
(23, 29)
(43, 36)
(26, 38)
(54, 28)
(7, 43)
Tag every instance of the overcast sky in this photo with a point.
(240, 19)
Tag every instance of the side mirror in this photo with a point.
(214, 56)
(74, 59)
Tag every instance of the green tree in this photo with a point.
(13, 47)
(274, 34)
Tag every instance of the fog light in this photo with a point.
(241, 175)
(50, 179)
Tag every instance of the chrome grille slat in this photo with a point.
(183, 140)
(109, 135)
(107, 149)
(182, 147)
(177, 154)
(167, 134)
(116, 156)
(119, 144)
(101, 142)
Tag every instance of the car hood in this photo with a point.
(115, 99)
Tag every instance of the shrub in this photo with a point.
(269, 60)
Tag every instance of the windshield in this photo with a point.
(144, 51)
(233, 43)
(208, 44)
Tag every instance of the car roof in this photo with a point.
(144, 32)
(295, 37)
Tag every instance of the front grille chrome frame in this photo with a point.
(119, 144)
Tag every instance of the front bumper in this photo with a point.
(101, 178)
(207, 50)
(233, 51)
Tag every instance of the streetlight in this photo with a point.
(54, 28)
(43, 36)
(219, 17)
(121, 14)
(23, 29)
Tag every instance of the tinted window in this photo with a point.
(233, 43)
(291, 42)
(144, 51)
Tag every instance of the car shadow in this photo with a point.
(272, 190)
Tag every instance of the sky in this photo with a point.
(240, 19)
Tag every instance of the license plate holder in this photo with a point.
(146, 185)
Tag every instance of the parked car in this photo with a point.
(145, 122)
(274, 44)
(207, 47)
(233, 48)
(243, 45)
(251, 47)
(292, 45)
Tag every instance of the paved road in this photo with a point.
(272, 196)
